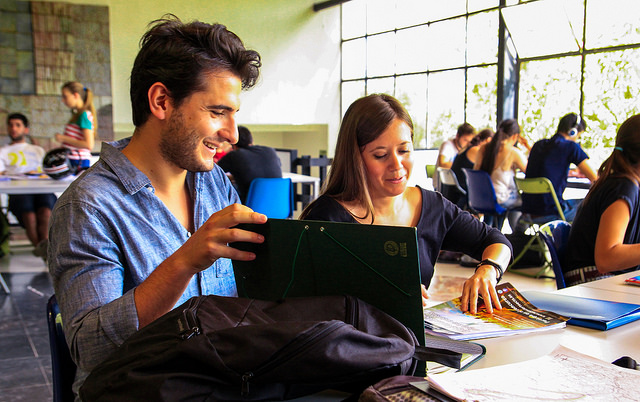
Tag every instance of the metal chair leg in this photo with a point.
(530, 246)
(4, 285)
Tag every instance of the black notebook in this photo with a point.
(377, 264)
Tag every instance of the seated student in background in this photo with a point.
(247, 162)
(551, 158)
(450, 148)
(466, 159)
(148, 226)
(368, 184)
(501, 158)
(224, 149)
(605, 234)
(31, 210)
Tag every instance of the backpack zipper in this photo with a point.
(283, 357)
(351, 311)
(188, 322)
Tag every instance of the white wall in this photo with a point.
(300, 51)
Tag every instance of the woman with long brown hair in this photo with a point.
(367, 184)
(605, 234)
(501, 158)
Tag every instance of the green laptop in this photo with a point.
(378, 264)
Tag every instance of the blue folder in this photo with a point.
(584, 312)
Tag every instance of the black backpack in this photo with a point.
(215, 348)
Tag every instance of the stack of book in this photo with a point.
(517, 316)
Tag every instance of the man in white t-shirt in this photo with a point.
(451, 147)
(17, 158)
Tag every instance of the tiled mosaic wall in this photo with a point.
(42, 46)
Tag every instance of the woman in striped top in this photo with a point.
(79, 133)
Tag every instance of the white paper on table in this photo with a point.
(562, 375)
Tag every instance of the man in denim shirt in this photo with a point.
(148, 226)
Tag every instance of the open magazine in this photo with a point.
(517, 316)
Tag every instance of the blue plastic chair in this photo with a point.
(62, 366)
(482, 196)
(272, 197)
(556, 236)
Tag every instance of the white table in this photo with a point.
(604, 345)
(297, 178)
(34, 186)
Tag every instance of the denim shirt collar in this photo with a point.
(131, 177)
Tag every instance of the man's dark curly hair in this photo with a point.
(181, 55)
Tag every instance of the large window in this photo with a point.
(441, 59)
(567, 65)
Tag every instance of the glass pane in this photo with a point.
(354, 58)
(351, 91)
(411, 56)
(541, 28)
(411, 90)
(611, 23)
(380, 86)
(412, 12)
(477, 5)
(381, 51)
(439, 9)
(446, 44)
(380, 15)
(574, 10)
(549, 89)
(445, 106)
(611, 93)
(482, 38)
(354, 21)
(482, 89)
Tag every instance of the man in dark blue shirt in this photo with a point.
(551, 158)
(247, 162)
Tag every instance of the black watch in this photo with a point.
(498, 267)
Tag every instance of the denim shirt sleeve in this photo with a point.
(108, 232)
(98, 315)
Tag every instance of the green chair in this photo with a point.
(539, 185)
(536, 185)
(431, 174)
(431, 170)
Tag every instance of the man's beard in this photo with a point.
(179, 145)
(19, 138)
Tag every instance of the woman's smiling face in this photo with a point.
(388, 160)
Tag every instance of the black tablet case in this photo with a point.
(378, 264)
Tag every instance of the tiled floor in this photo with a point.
(25, 360)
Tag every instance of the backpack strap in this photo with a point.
(446, 351)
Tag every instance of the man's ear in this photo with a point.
(159, 100)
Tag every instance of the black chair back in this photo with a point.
(63, 367)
